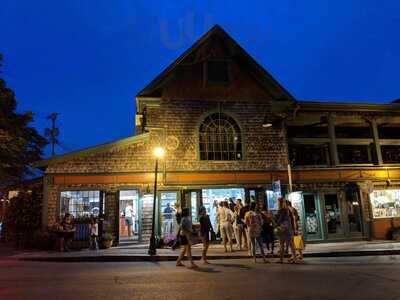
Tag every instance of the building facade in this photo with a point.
(230, 130)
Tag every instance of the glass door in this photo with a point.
(128, 215)
(193, 201)
(311, 216)
(333, 217)
(167, 212)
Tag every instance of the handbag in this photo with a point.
(298, 242)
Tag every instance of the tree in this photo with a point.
(20, 145)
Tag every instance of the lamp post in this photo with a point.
(158, 153)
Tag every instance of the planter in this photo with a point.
(107, 243)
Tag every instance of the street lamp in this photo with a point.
(158, 153)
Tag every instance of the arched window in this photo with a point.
(220, 138)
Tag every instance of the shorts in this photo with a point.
(226, 231)
(128, 221)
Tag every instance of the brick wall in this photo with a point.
(264, 148)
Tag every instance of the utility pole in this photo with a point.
(53, 132)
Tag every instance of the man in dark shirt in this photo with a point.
(242, 213)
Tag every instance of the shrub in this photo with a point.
(23, 217)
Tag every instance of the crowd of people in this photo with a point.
(249, 226)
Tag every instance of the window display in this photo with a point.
(80, 203)
(385, 203)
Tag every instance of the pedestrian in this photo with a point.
(243, 211)
(231, 204)
(94, 233)
(225, 219)
(267, 234)
(253, 221)
(205, 230)
(285, 230)
(186, 235)
(129, 214)
(298, 239)
(178, 218)
(238, 225)
(68, 230)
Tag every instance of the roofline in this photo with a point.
(197, 44)
(91, 150)
(353, 106)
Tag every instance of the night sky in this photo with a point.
(87, 59)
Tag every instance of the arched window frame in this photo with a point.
(222, 157)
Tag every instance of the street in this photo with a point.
(374, 277)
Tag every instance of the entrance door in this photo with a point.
(167, 211)
(333, 217)
(193, 201)
(312, 221)
(129, 215)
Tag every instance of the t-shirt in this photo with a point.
(205, 225)
(224, 215)
(128, 211)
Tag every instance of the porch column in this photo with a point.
(377, 145)
(332, 143)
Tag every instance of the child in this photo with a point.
(94, 232)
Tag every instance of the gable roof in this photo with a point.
(261, 75)
(92, 150)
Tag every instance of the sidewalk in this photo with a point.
(138, 252)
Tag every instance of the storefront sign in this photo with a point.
(385, 203)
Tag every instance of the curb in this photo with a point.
(148, 258)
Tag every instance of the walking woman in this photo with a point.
(186, 233)
(253, 221)
(268, 230)
(205, 229)
(284, 224)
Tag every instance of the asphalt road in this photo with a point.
(326, 278)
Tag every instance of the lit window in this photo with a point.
(80, 203)
(385, 203)
(220, 138)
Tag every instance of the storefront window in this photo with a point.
(211, 198)
(385, 203)
(80, 203)
(169, 227)
(332, 214)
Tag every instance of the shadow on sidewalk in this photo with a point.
(238, 266)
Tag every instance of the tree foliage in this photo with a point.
(23, 216)
(20, 144)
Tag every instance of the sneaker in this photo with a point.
(179, 264)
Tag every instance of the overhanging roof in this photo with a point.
(92, 150)
(261, 74)
(348, 106)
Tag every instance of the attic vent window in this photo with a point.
(217, 72)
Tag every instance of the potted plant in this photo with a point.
(107, 240)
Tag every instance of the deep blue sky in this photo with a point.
(86, 59)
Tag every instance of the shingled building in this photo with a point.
(230, 130)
